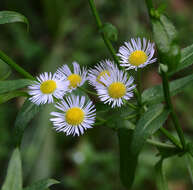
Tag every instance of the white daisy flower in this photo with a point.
(76, 78)
(117, 87)
(76, 115)
(46, 87)
(100, 70)
(136, 54)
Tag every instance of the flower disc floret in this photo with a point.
(117, 90)
(75, 80)
(74, 116)
(137, 58)
(48, 87)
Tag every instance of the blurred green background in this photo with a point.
(62, 31)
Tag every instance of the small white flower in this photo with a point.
(115, 88)
(47, 86)
(100, 70)
(76, 78)
(136, 54)
(76, 115)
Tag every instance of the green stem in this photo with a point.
(15, 66)
(160, 144)
(87, 91)
(172, 139)
(131, 116)
(169, 105)
(149, 4)
(100, 26)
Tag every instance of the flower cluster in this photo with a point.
(76, 114)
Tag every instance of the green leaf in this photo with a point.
(160, 37)
(155, 94)
(5, 70)
(42, 184)
(186, 59)
(10, 85)
(110, 31)
(8, 96)
(25, 115)
(11, 17)
(160, 176)
(148, 124)
(13, 179)
(189, 162)
(169, 28)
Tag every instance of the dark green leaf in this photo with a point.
(186, 59)
(10, 85)
(155, 94)
(42, 184)
(25, 115)
(5, 70)
(160, 176)
(13, 179)
(11, 16)
(8, 96)
(148, 124)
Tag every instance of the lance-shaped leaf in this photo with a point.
(25, 115)
(186, 59)
(8, 96)
(160, 176)
(42, 184)
(13, 179)
(148, 124)
(189, 162)
(10, 85)
(155, 94)
(11, 17)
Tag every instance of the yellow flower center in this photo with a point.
(117, 90)
(137, 58)
(48, 87)
(102, 74)
(74, 116)
(75, 80)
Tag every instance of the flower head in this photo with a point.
(115, 88)
(46, 87)
(100, 70)
(75, 78)
(136, 54)
(75, 115)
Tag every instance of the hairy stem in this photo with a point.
(169, 105)
(15, 66)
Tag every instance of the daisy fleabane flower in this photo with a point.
(115, 88)
(75, 115)
(46, 87)
(76, 78)
(136, 54)
(100, 70)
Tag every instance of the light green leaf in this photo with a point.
(25, 115)
(8, 96)
(11, 17)
(160, 176)
(13, 179)
(160, 37)
(155, 94)
(189, 162)
(186, 59)
(10, 85)
(148, 124)
(169, 28)
(42, 184)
